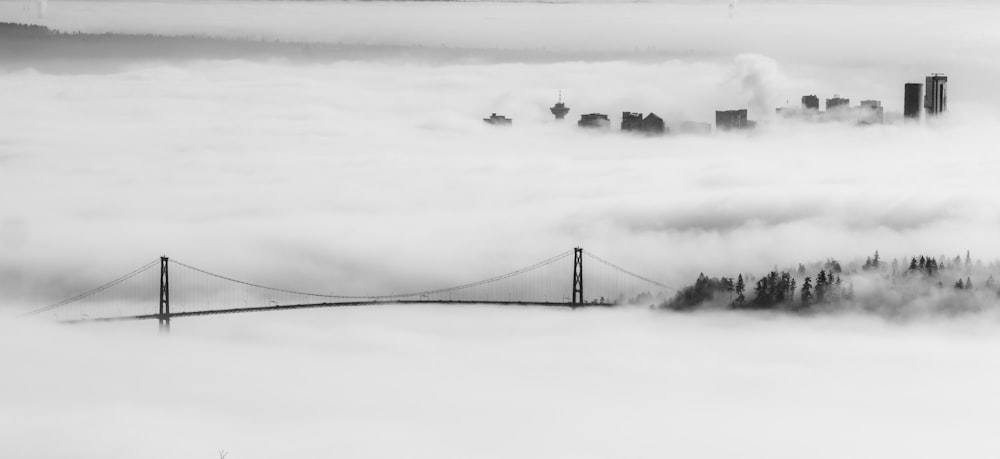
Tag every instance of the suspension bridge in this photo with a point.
(178, 289)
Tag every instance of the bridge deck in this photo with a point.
(331, 305)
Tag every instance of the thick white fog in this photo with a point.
(382, 177)
(499, 383)
(373, 175)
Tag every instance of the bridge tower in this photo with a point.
(577, 276)
(164, 315)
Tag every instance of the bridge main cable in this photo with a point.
(511, 274)
(625, 271)
(93, 291)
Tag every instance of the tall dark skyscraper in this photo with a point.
(936, 98)
(911, 100)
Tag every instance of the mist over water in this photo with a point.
(499, 382)
(376, 174)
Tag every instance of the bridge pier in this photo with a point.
(577, 276)
(164, 314)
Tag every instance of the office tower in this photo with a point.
(936, 97)
(911, 100)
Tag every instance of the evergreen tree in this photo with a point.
(959, 285)
(832, 266)
(740, 288)
(760, 296)
(785, 287)
(728, 282)
(990, 283)
(806, 295)
(968, 282)
(821, 284)
(914, 265)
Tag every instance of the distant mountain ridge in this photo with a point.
(29, 44)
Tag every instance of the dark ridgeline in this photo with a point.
(594, 120)
(498, 120)
(10, 30)
(45, 48)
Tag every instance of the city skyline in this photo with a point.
(867, 112)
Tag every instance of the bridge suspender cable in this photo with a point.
(389, 296)
(540, 288)
(625, 271)
(88, 293)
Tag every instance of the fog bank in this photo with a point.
(499, 383)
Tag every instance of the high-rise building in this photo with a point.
(653, 124)
(631, 121)
(810, 102)
(911, 100)
(936, 97)
(594, 120)
(731, 119)
(837, 102)
(559, 109)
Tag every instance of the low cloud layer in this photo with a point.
(384, 178)
(497, 383)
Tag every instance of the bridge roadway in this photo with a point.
(173, 315)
